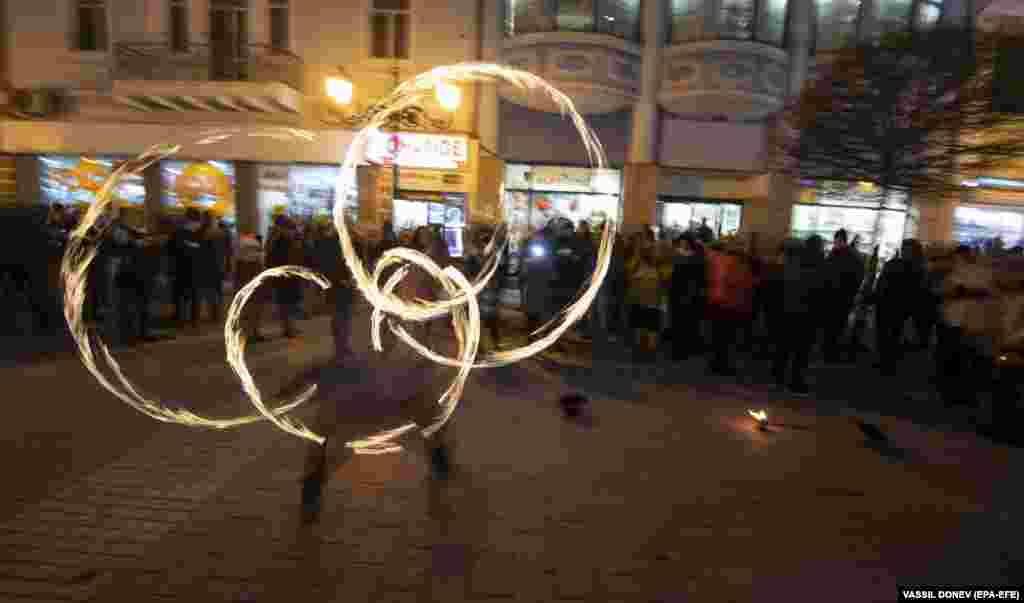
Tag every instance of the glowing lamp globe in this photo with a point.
(448, 95)
(340, 90)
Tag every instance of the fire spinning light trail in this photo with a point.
(387, 306)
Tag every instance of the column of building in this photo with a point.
(770, 212)
(640, 194)
(487, 204)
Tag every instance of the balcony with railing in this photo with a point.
(726, 59)
(207, 76)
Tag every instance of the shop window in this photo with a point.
(687, 22)
(75, 181)
(92, 25)
(977, 226)
(884, 228)
(280, 22)
(390, 31)
(205, 185)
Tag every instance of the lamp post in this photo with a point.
(341, 91)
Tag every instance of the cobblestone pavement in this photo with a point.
(671, 494)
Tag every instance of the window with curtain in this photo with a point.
(389, 26)
(771, 22)
(92, 25)
(279, 25)
(620, 18)
(837, 22)
(686, 21)
(179, 25)
(736, 19)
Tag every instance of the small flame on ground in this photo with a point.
(759, 415)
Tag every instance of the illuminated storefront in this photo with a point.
(303, 191)
(825, 207)
(434, 180)
(993, 208)
(74, 182)
(677, 215)
(205, 185)
(536, 194)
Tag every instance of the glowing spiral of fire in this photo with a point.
(387, 306)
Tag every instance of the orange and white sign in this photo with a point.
(425, 151)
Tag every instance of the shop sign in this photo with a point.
(430, 151)
(431, 180)
(572, 179)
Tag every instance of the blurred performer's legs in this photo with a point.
(341, 323)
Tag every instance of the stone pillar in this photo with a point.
(154, 207)
(801, 26)
(769, 213)
(27, 173)
(488, 206)
(247, 199)
(259, 26)
(640, 194)
(488, 115)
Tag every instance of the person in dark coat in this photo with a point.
(901, 287)
(845, 270)
(539, 272)
(186, 250)
(687, 298)
(804, 284)
(135, 281)
(285, 248)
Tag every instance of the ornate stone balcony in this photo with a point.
(724, 79)
(601, 73)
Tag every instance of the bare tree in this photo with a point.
(912, 113)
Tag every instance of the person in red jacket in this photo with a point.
(729, 304)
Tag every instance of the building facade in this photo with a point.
(680, 92)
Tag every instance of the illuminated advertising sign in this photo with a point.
(427, 151)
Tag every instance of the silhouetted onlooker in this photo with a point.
(687, 298)
(803, 283)
(845, 271)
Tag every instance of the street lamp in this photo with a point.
(340, 90)
(448, 95)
